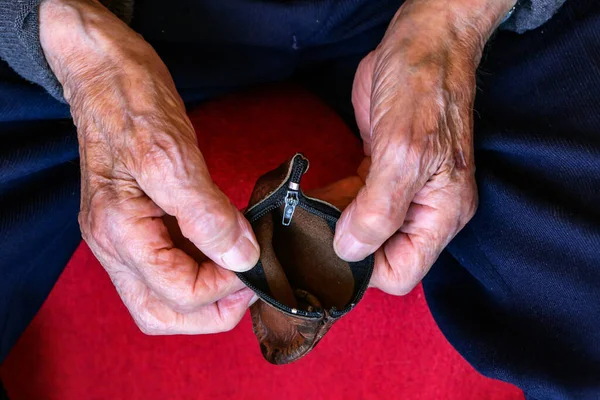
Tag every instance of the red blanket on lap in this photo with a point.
(84, 345)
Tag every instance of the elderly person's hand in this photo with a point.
(140, 164)
(413, 98)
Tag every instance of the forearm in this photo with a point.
(95, 55)
(458, 27)
(20, 43)
(483, 15)
(81, 37)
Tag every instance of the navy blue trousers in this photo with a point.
(517, 293)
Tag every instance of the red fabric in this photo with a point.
(84, 345)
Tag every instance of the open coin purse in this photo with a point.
(303, 286)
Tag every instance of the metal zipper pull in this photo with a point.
(291, 201)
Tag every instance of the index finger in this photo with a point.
(175, 176)
(429, 226)
(185, 282)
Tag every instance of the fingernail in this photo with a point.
(242, 256)
(351, 249)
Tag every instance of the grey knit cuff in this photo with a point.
(531, 14)
(20, 44)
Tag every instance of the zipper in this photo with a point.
(290, 196)
(292, 199)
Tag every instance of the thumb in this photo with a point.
(361, 99)
(378, 211)
(367, 223)
(181, 185)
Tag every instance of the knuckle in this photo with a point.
(184, 302)
(157, 159)
(175, 288)
(155, 162)
(377, 220)
(404, 277)
(224, 326)
(166, 157)
(228, 316)
(400, 290)
(226, 322)
(370, 226)
(98, 222)
(402, 284)
(229, 325)
(146, 329)
(161, 153)
(430, 240)
(162, 259)
(208, 224)
(94, 216)
(148, 325)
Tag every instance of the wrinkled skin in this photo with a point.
(413, 99)
(146, 194)
(170, 239)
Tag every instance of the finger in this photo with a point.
(363, 169)
(405, 143)
(361, 99)
(176, 178)
(409, 254)
(377, 212)
(220, 316)
(154, 317)
(142, 242)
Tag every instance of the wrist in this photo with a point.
(62, 31)
(462, 26)
(83, 39)
(476, 20)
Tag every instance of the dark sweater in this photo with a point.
(20, 44)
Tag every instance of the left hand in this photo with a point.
(413, 98)
(167, 236)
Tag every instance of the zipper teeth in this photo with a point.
(267, 200)
(262, 213)
(272, 202)
(252, 217)
(359, 294)
(297, 169)
(269, 299)
(281, 306)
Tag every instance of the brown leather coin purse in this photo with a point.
(303, 286)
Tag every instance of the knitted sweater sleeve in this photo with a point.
(531, 14)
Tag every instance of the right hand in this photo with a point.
(140, 164)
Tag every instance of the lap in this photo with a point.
(39, 201)
(517, 291)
